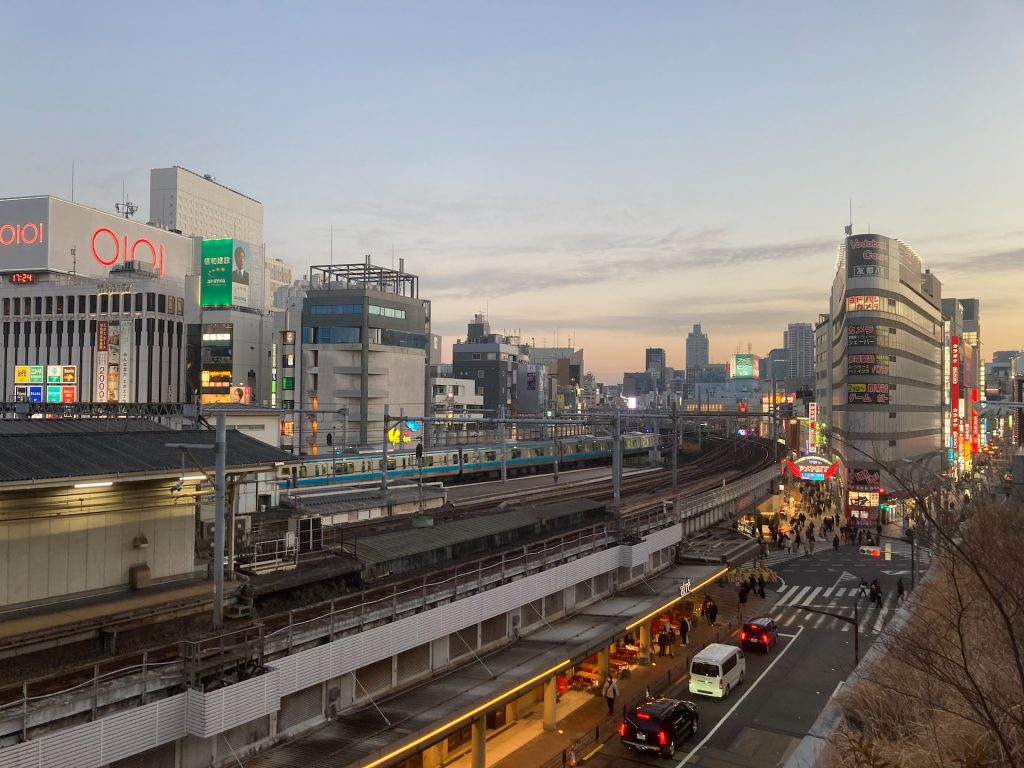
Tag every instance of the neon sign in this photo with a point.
(22, 234)
(100, 249)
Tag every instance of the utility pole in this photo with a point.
(616, 463)
(675, 444)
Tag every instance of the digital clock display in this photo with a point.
(22, 277)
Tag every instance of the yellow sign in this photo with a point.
(21, 374)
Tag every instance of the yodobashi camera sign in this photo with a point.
(867, 256)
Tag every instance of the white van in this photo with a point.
(717, 669)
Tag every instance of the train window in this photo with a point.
(428, 461)
(392, 464)
(538, 451)
(490, 456)
(455, 458)
(516, 453)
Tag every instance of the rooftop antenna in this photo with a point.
(126, 207)
(849, 227)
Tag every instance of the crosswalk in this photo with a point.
(833, 599)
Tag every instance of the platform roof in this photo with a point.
(59, 426)
(392, 546)
(58, 456)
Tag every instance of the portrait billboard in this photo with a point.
(743, 367)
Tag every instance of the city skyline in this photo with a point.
(575, 171)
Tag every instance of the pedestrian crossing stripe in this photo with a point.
(871, 619)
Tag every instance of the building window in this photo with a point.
(7, 307)
(479, 374)
(336, 309)
(151, 302)
(115, 301)
(138, 302)
(161, 304)
(104, 303)
(39, 305)
(92, 303)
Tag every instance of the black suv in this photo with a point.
(760, 634)
(656, 726)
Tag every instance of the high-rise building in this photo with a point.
(697, 358)
(185, 202)
(776, 365)
(654, 361)
(886, 358)
(798, 341)
(964, 382)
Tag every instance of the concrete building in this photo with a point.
(697, 358)
(192, 204)
(886, 359)
(365, 335)
(492, 360)
(93, 305)
(963, 382)
(565, 371)
(798, 341)
(655, 361)
(776, 366)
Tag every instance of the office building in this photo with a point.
(192, 204)
(697, 358)
(798, 341)
(963, 383)
(363, 345)
(886, 358)
(655, 362)
(492, 360)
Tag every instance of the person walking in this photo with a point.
(662, 640)
(835, 543)
(707, 610)
(684, 630)
(712, 612)
(611, 690)
(900, 594)
(760, 584)
(863, 589)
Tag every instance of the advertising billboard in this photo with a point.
(863, 303)
(867, 256)
(743, 367)
(47, 233)
(226, 274)
(101, 362)
(869, 392)
(954, 393)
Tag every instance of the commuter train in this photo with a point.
(465, 461)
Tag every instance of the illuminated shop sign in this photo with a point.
(864, 478)
(863, 303)
(813, 468)
(108, 248)
(29, 233)
(871, 392)
(867, 256)
(954, 393)
(867, 365)
(862, 499)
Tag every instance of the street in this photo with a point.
(784, 691)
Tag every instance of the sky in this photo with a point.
(595, 173)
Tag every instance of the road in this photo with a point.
(785, 691)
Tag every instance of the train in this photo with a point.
(456, 463)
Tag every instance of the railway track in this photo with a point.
(36, 678)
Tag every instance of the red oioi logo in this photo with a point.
(108, 249)
(22, 234)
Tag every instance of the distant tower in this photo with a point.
(697, 358)
(798, 341)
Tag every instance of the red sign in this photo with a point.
(954, 390)
(22, 234)
(108, 248)
(101, 336)
(68, 394)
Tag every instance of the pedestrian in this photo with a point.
(900, 594)
(835, 543)
(670, 645)
(752, 584)
(662, 640)
(684, 630)
(712, 613)
(708, 602)
(863, 589)
(611, 690)
(570, 758)
(760, 584)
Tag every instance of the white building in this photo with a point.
(186, 202)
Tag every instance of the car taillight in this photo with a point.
(622, 729)
(721, 682)
(643, 716)
(765, 638)
(662, 738)
(743, 635)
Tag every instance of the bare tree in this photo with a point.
(949, 689)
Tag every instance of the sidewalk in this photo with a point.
(588, 724)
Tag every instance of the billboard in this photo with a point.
(867, 256)
(47, 233)
(867, 335)
(870, 392)
(101, 362)
(743, 367)
(863, 303)
(226, 276)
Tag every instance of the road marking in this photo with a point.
(784, 634)
(781, 589)
(840, 685)
(739, 701)
(828, 592)
(795, 596)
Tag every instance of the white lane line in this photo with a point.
(810, 597)
(739, 701)
(781, 589)
(795, 596)
(786, 634)
(828, 592)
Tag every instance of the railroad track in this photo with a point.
(639, 493)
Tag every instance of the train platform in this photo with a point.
(584, 724)
(30, 629)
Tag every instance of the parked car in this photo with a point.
(657, 726)
(759, 634)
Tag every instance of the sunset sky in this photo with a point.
(609, 173)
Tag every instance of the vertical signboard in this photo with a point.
(101, 362)
(215, 273)
(954, 395)
(867, 256)
(124, 386)
(241, 273)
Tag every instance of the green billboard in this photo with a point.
(215, 275)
